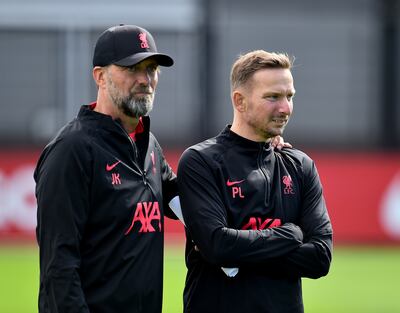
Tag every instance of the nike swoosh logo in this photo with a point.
(231, 183)
(110, 167)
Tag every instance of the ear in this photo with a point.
(239, 101)
(99, 76)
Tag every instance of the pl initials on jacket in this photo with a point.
(107, 205)
(251, 207)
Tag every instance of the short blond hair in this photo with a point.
(247, 64)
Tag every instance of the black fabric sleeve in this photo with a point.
(206, 220)
(312, 259)
(169, 184)
(62, 191)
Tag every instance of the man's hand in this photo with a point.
(278, 143)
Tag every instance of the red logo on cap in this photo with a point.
(143, 40)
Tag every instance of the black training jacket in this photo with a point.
(100, 220)
(246, 205)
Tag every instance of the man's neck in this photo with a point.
(245, 132)
(128, 123)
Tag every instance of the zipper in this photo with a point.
(143, 173)
(265, 173)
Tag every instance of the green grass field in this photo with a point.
(361, 280)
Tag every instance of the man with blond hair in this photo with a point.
(257, 212)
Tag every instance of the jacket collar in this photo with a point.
(87, 112)
(244, 143)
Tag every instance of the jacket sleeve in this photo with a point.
(311, 259)
(62, 189)
(169, 184)
(206, 220)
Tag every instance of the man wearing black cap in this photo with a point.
(103, 188)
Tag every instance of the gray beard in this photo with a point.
(129, 105)
(135, 107)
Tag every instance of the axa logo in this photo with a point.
(143, 41)
(287, 181)
(258, 223)
(147, 215)
(235, 188)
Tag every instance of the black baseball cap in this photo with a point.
(127, 45)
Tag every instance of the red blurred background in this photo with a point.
(362, 191)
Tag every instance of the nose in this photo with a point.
(144, 78)
(285, 106)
